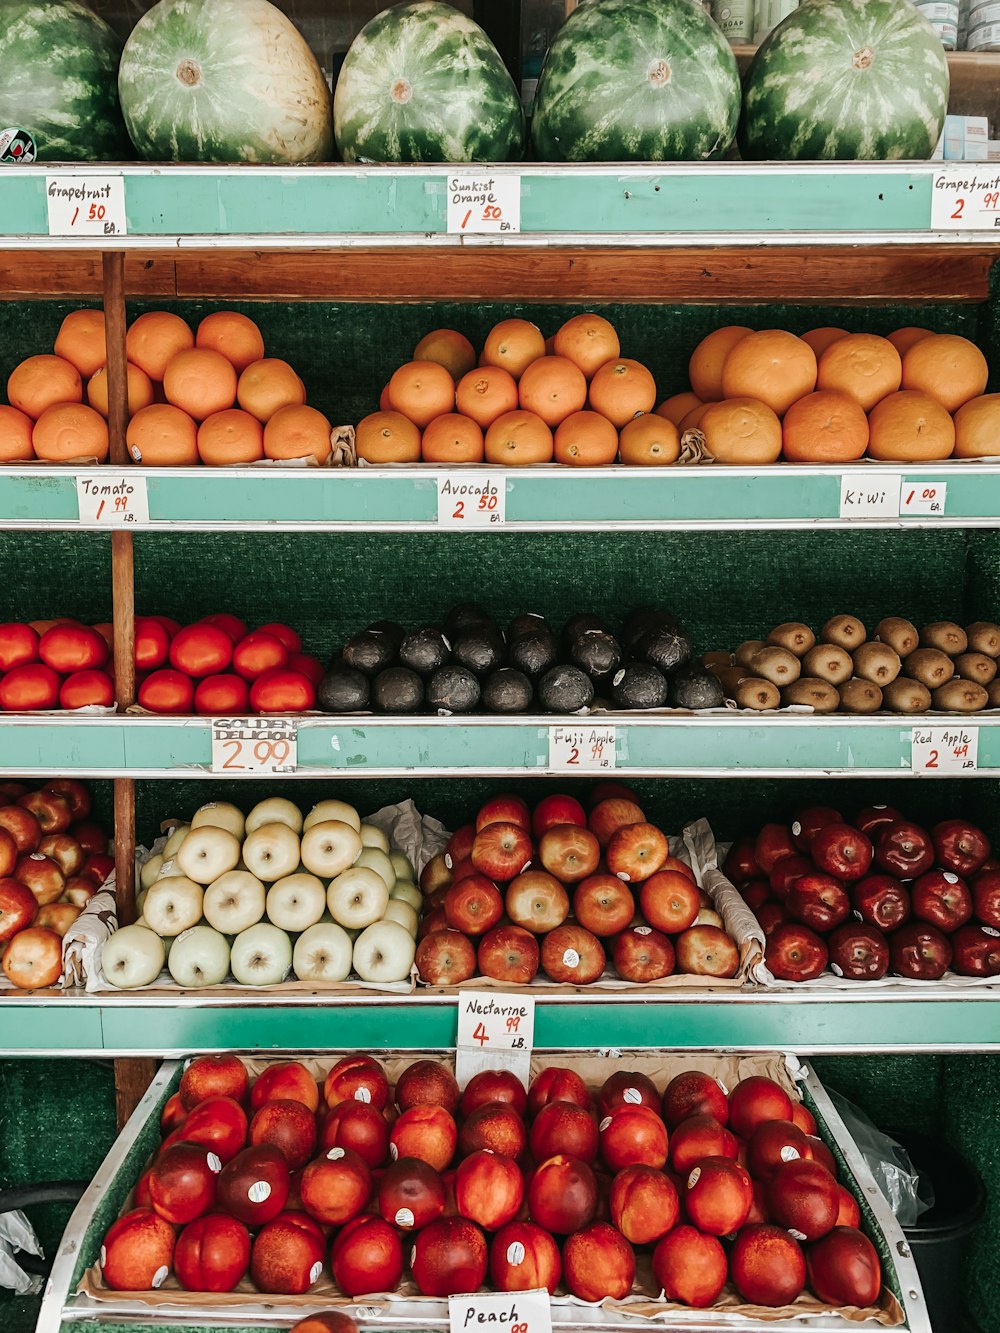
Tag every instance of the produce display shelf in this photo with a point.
(394, 499)
(260, 207)
(653, 745)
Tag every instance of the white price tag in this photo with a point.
(966, 198)
(479, 202)
(253, 745)
(471, 500)
(494, 1032)
(86, 205)
(944, 749)
(581, 749)
(923, 497)
(501, 1311)
(869, 495)
(113, 500)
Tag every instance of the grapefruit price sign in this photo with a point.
(253, 745)
(966, 197)
(115, 500)
(484, 204)
(582, 749)
(86, 205)
(944, 750)
(502, 1311)
(494, 1032)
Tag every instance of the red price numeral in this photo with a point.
(932, 760)
(480, 1034)
(957, 215)
(513, 1023)
(459, 510)
(992, 200)
(96, 213)
(574, 756)
(488, 502)
(263, 752)
(491, 213)
(121, 503)
(519, 1328)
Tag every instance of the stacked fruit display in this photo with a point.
(53, 859)
(877, 895)
(467, 662)
(51, 664)
(900, 669)
(554, 1188)
(558, 889)
(273, 893)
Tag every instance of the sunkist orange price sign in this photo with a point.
(484, 203)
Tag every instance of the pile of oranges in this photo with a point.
(207, 396)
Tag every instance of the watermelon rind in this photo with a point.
(636, 80)
(422, 82)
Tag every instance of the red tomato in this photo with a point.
(201, 650)
(28, 688)
(217, 696)
(309, 666)
(291, 640)
(69, 648)
(167, 692)
(257, 653)
(87, 687)
(152, 643)
(281, 691)
(234, 627)
(18, 646)
(171, 626)
(107, 632)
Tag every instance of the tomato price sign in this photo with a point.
(583, 749)
(869, 495)
(118, 500)
(257, 745)
(86, 205)
(966, 198)
(923, 497)
(471, 500)
(494, 1032)
(483, 204)
(502, 1311)
(944, 750)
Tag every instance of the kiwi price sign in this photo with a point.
(870, 495)
(471, 500)
(583, 749)
(112, 500)
(256, 746)
(937, 750)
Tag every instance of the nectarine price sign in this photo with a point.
(115, 500)
(471, 500)
(494, 1032)
(86, 205)
(483, 202)
(257, 745)
(501, 1312)
(951, 749)
(582, 749)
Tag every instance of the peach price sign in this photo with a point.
(253, 745)
(501, 1312)
(494, 1032)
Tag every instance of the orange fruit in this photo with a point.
(977, 428)
(588, 341)
(383, 400)
(154, 339)
(162, 436)
(550, 346)
(903, 339)
(69, 431)
(81, 341)
(485, 394)
(200, 382)
(820, 339)
(513, 344)
(650, 441)
(232, 436)
(676, 408)
(824, 427)
(585, 439)
(42, 381)
(449, 349)
(622, 389)
(298, 431)
(422, 390)
(233, 335)
(552, 387)
(910, 427)
(772, 367)
(949, 368)
(693, 419)
(267, 385)
(519, 438)
(708, 358)
(741, 431)
(140, 390)
(387, 437)
(862, 365)
(15, 436)
(452, 438)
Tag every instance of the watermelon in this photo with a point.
(846, 79)
(628, 80)
(424, 83)
(223, 81)
(58, 80)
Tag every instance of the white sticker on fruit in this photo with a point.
(404, 1217)
(483, 203)
(836, 969)
(214, 1163)
(796, 1235)
(515, 1254)
(796, 829)
(393, 1152)
(509, 1311)
(694, 1177)
(571, 958)
(315, 1271)
(869, 495)
(582, 749)
(991, 930)
(259, 1192)
(258, 745)
(725, 1090)
(85, 204)
(965, 198)
(632, 1096)
(643, 930)
(789, 1154)
(949, 877)
(363, 1095)
(604, 1124)
(115, 501)
(951, 749)
(926, 498)
(104, 1256)
(160, 1276)
(335, 1154)
(494, 1032)
(471, 500)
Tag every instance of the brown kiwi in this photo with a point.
(960, 696)
(747, 650)
(906, 696)
(984, 637)
(716, 661)
(946, 636)
(977, 667)
(819, 694)
(758, 695)
(899, 634)
(930, 666)
(730, 678)
(994, 693)
(777, 665)
(845, 631)
(794, 636)
(829, 663)
(860, 696)
(877, 662)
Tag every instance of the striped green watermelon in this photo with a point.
(846, 79)
(223, 81)
(636, 80)
(58, 80)
(424, 83)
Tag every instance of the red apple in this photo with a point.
(572, 954)
(473, 905)
(802, 1197)
(91, 837)
(959, 846)
(42, 876)
(98, 867)
(359, 1078)
(182, 1182)
(859, 952)
(785, 874)
(819, 901)
(523, 1257)
(489, 1189)
(411, 1194)
(986, 897)
(976, 951)
(795, 953)
(76, 793)
(844, 1268)
(904, 849)
(212, 1253)
(288, 1126)
(690, 1267)
(58, 917)
(459, 846)
(23, 827)
(669, 901)
(286, 1081)
(706, 951)
(427, 1083)
(882, 901)
(79, 890)
(767, 1266)
(8, 853)
(637, 851)
(335, 1187)
(18, 907)
(497, 1126)
(697, 1137)
(554, 810)
(758, 892)
(563, 1129)
(535, 900)
(612, 814)
(214, 1076)
(718, 1193)
(570, 852)
(920, 952)
(773, 842)
(774, 1142)
(50, 808)
(445, 957)
(491, 1086)
(449, 1256)
(741, 861)
(509, 953)
(633, 1135)
(64, 849)
(32, 959)
(808, 822)
(849, 1214)
(505, 809)
(218, 1123)
(943, 899)
(598, 1264)
(603, 904)
(367, 1257)
(427, 1132)
(555, 1083)
(253, 1187)
(875, 817)
(137, 1252)
(842, 851)
(694, 1093)
(501, 851)
(286, 1259)
(562, 1195)
(642, 954)
(755, 1100)
(436, 874)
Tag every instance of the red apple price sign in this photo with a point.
(86, 205)
(258, 745)
(471, 500)
(501, 1312)
(115, 501)
(483, 202)
(494, 1032)
(945, 750)
(583, 749)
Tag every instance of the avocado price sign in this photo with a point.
(502, 1311)
(471, 500)
(253, 745)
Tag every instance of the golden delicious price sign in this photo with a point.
(257, 745)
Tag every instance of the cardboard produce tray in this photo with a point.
(76, 1298)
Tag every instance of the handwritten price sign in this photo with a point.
(944, 750)
(86, 205)
(966, 198)
(494, 1032)
(583, 749)
(484, 205)
(471, 500)
(112, 501)
(869, 495)
(502, 1311)
(257, 745)
(927, 497)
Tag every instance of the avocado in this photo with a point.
(641, 621)
(639, 686)
(526, 623)
(565, 689)
(663, 647)
(694, 687)
(397, 690)
(370, 651)
(395, 631)
(596, 652)
(424, 650)
(507, 691)
(480, 648)
(579, 624)
(343, 690)
(464, 616)
(452, 689)
(534, 653)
